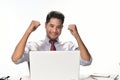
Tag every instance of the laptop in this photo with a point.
(54, 65)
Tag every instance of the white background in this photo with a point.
(98, 22)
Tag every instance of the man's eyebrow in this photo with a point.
(56, 25)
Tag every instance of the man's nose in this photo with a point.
(54, 29)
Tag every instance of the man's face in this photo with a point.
(54, 28)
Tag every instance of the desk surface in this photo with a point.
(82, 77)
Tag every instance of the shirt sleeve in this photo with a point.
(72, 46)
(25, 56)
(82, 61)
(85, 63)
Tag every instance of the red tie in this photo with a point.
(52, 48)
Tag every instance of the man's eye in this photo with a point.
(59, 27)
(51, 26)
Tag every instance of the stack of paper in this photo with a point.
(102, 77)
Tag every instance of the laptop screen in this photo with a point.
(54, 65)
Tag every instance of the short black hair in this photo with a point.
(55, 14)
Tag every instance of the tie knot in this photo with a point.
(52, 41)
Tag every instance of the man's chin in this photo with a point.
(53, 38)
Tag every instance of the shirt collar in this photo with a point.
(47, 40)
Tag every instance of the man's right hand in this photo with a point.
(33, 26)
(19, 50)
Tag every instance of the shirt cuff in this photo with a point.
(85, 63)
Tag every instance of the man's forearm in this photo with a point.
(19, 50)
(83, 50)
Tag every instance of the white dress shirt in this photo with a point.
(44, 45)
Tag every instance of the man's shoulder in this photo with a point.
(66, 42)
(35, 42)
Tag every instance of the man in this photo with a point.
(53, 25)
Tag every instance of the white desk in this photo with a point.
(86, 77)
(82, 77)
